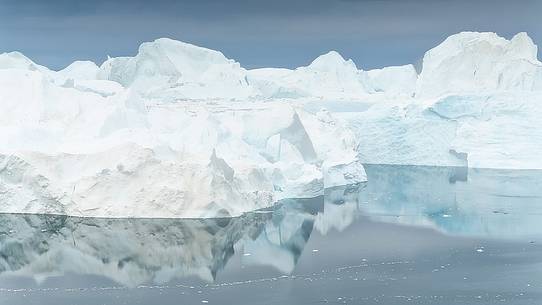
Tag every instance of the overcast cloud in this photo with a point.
(279, 33)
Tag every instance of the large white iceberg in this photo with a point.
(182, 131)
(129, 139)
(476, 103)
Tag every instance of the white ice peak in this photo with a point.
(331, 61)
(474, 62)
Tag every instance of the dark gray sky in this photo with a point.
(279, 33)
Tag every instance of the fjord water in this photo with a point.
(410, 235)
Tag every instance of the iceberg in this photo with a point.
(183, 131)
(475, 103)
(158, 135)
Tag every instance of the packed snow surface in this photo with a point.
(182, 131)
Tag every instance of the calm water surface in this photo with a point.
(411, 235)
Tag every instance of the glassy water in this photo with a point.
(411, 235)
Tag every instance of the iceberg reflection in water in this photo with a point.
(427, 235)
(459, 201)
(137, 251)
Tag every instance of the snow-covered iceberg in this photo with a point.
(182, 131)
(129, 139)
(476, 103)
